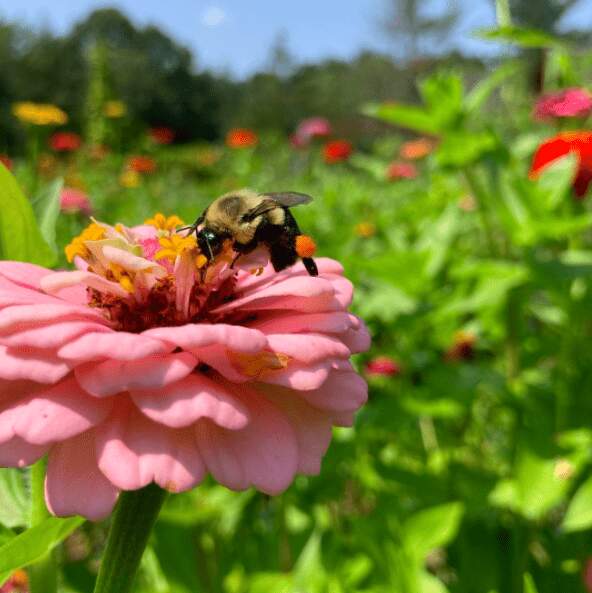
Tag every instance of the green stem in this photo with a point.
(43, 575)
(503, 13)
(132, 522)
(480, 197)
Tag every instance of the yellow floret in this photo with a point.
(93, 232)
(164, 223)
(175, 245)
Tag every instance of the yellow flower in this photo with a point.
(93, 232)
(39, 114)
(365, 229)
(175, 245)
(115, 109)
(130, 179)
(164, 223)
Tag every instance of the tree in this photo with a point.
(416, 29)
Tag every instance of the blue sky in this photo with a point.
(235, 35)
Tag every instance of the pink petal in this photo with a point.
(357, 340)
(15, 294)
(113, 345)
(132, 451)
(17, 318)
(113, 376)
(194, 336)
(18, 453)
(60, 280)
(308, 348)
(41, 366)
(58, 413)
(195, 397)
(23, 274)
(49, 335)
(281, 323)
(305, 294)
(341, 392)
(74, 485)
(313, 430)
(264, 454)
(299, 376)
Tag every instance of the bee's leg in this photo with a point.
(291, 231)
(192, 228)
(243, 249)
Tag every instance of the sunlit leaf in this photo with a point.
(579, 512)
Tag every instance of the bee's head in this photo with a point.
(210, 242)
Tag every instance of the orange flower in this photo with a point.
(337, 151)
(578, 143)
(365, 229)
(241, 138)
(141, 164)
(416, 149)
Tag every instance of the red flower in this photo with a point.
(337, 151)
(399, 170)
(6, 161)
(241, 138)
(65, 141)
(162, 135)
(578, 143)
(141, 164)
(462, 348)
(572, 102)
(383, 366)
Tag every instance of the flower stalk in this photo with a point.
(43, 575)
(132, 522)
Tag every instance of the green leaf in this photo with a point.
(48, 211)
(13, 498)
(464, 148)
(33, 544)
(479, 94)
(443, 96)
(432, 528)
(529, 586)
(579, 512)
(406, 116)
(20, 237)
(431, 584)
(523, 37)
(556, 180)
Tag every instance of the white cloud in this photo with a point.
(213, 16)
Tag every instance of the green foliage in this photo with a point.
(20, 237)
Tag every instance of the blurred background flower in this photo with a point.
(65, 141)
(337, 151)
(241, 138)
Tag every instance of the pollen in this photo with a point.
(126, 283)
(254, 365)
(164, 223)
(93, 232)
(175, 245)
(200, 261)
(305, 246)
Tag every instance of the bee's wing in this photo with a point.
(289, 198)
(274, 200)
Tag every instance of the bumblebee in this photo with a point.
(249, 219)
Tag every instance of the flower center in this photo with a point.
(151, 277)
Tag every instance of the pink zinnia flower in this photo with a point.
(400, 170)
(75, 200)
(149, 364)
(384, 366)
(310, 128)
(573, 102)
